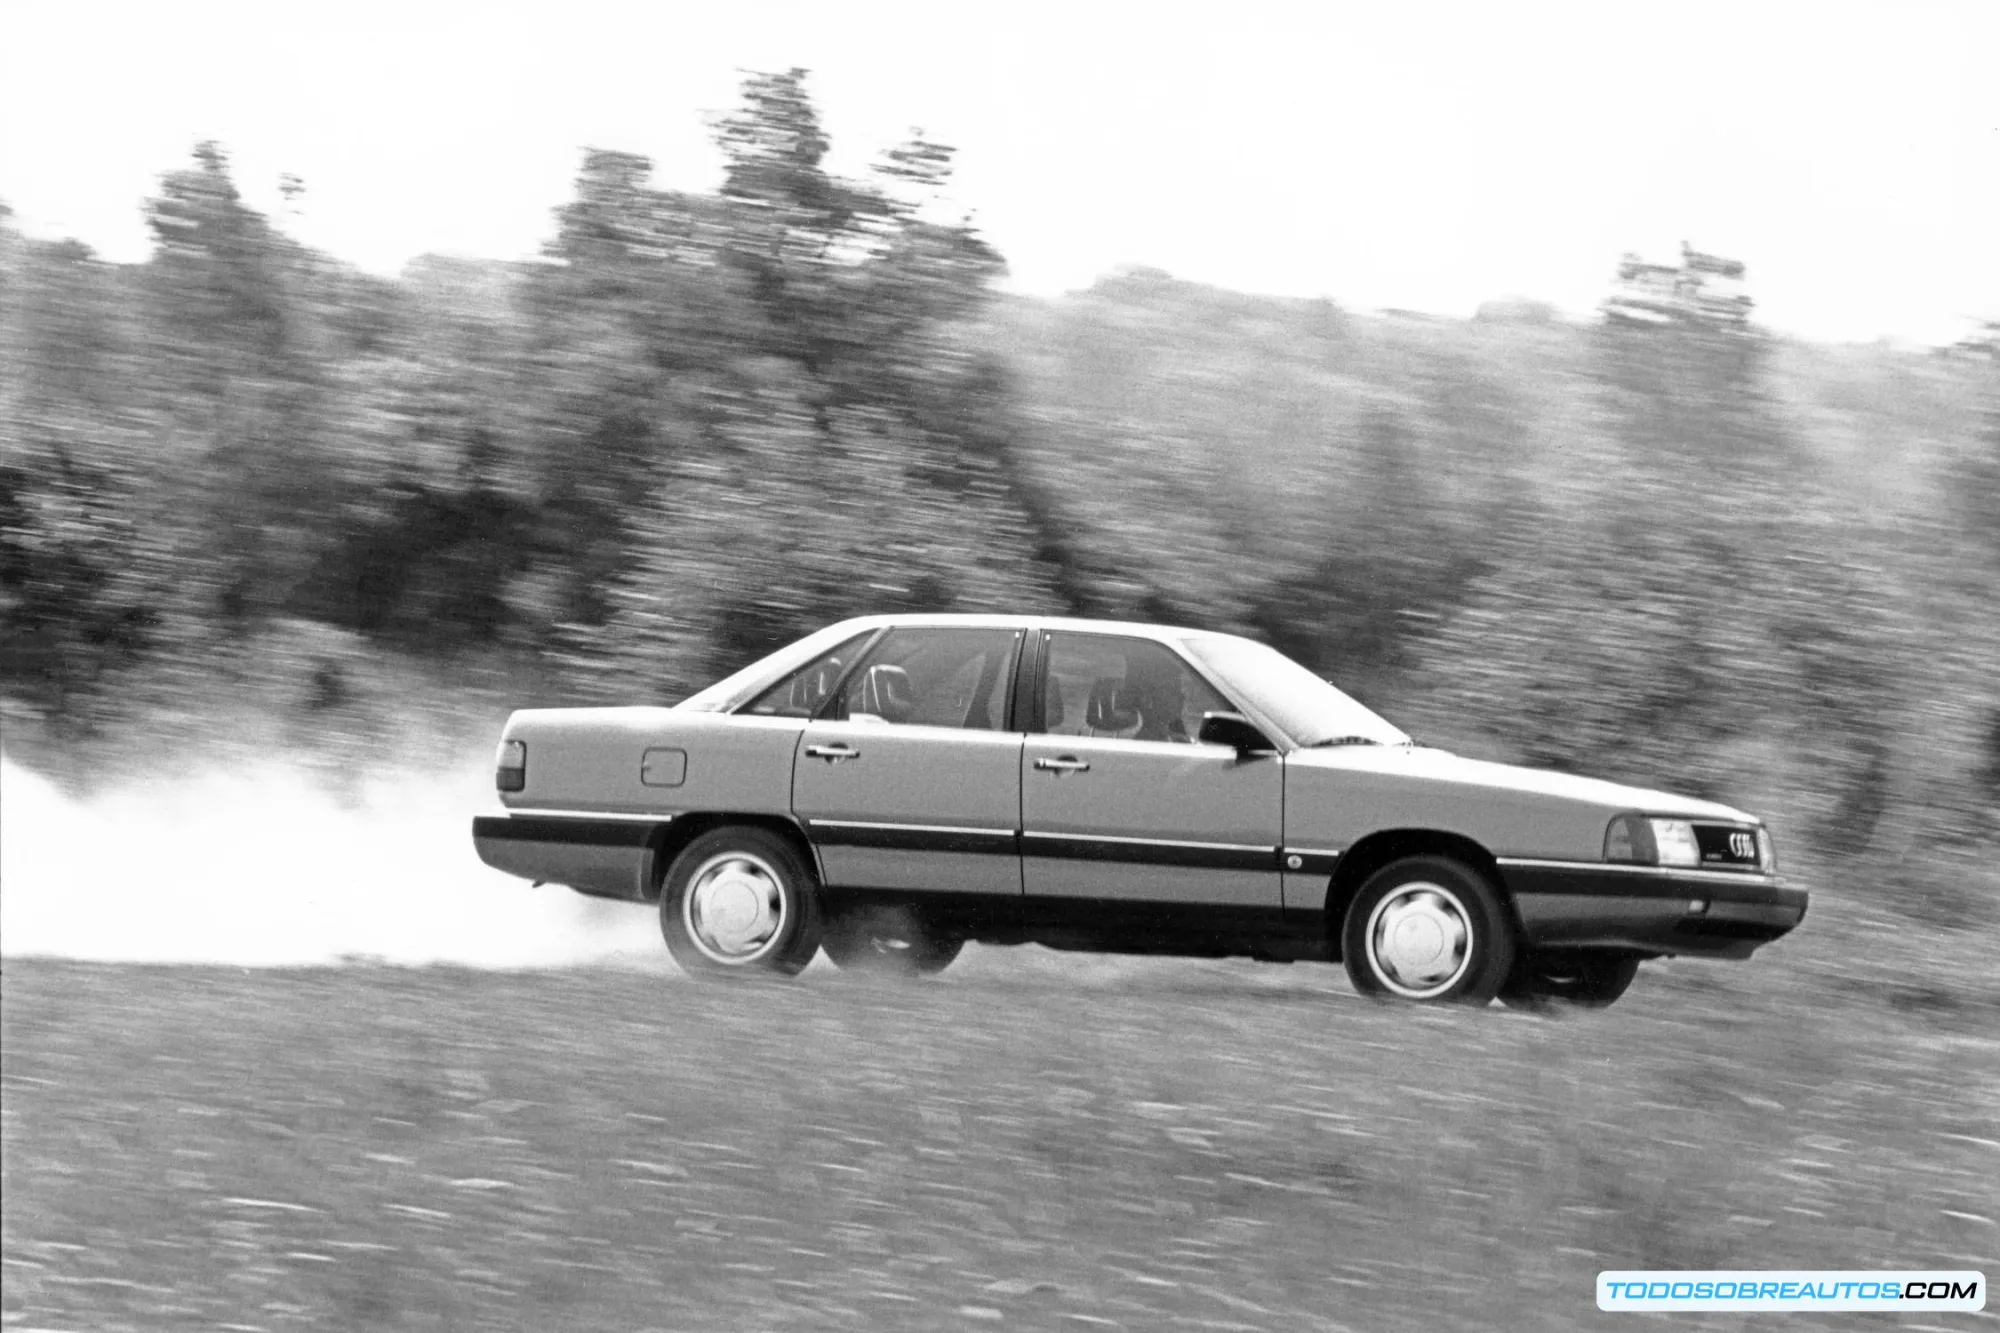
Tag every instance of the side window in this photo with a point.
(934, 677)
(1133, 689)
(801, 693)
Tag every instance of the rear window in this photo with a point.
(802, 692)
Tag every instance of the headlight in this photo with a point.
(1675, 840)
(1767, 852)
(1635, 840)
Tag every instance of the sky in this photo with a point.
(1425, 156)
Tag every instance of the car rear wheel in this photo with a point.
(740, 900)
(1429, 929)
(889, 941)
(1585, 980)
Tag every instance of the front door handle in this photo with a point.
(833, 754)
(1068, 763)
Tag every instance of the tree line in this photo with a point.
(702, 424)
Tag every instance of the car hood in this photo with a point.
(1443, 766)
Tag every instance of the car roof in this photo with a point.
(969, 620)
(732, 690)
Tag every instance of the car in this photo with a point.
(892, 787)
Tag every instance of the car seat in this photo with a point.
(885, 692)
(810, 688)
(1109, 708)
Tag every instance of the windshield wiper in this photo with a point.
(1343, 740)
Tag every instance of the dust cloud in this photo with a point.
(266, 867)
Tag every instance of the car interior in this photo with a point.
(1129, 691)
(934, 678)
(808, 689)
(1096, 686)
(886, 693)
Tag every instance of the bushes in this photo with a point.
(241, 477)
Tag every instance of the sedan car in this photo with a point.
(894, 786)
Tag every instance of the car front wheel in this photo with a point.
(740, 900)
(1430, 929)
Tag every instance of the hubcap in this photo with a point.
(734, 907)
(1419, 940)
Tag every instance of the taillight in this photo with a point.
(510, 767)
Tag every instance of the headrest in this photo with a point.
(1108, 709)
(810, 688)
(885, 692)
(1052, 705)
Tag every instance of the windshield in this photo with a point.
(1308, 709)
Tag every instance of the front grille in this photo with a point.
(1727, 846)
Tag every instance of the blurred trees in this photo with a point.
(1680, 552)
(798, 427)
(75, 598)
(700, 427)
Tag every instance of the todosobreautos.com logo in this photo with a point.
(1640, 1290)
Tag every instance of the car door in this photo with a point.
(907, 778)
(1119, 802)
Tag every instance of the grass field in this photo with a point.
(1031, 1141)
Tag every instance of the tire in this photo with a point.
(740, 900)
(887, 941)
(1581, 980)
(1428, 929)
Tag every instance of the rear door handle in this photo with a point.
(1068, 763)
(833, 754)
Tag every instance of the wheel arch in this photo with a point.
(670, 839)
(1385, 846)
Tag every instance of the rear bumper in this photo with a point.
(606, 858)
(1648, 909)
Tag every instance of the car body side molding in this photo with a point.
(582, 830)
(913, 837)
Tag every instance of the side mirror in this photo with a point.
(1234, 730)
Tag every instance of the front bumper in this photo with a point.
(1650, 909)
